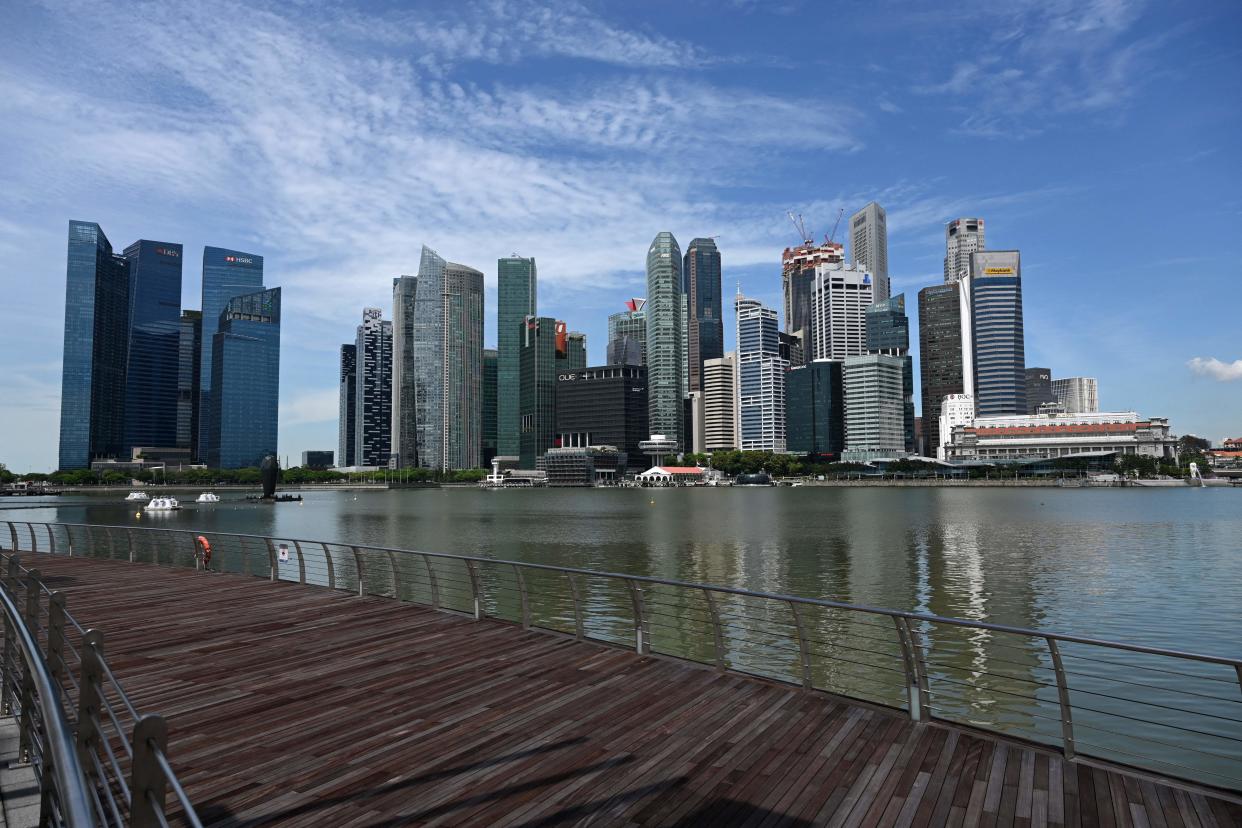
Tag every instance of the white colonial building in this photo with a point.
(1037, 436)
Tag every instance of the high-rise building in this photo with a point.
(317, 460)
(1038, 389)
(347, 423)
(666, 359)
(1077, 395)
(603, 406)
(955, 410)
(404, 429)
(152, 371)
(516, 283)
(999, 352)
(92, 399)
(462, 426)
(540, 361)
(888, 332)
(627, 334)
(189, 350)
(798, 268)
(704, 325)
(761, 378)
(869, 237)
(720, 403)
(373, 395)
(962, 237)
(874, 387)
(245, 384)
(840, 297)
(576, 355)
(226, 274)
(940, 354)
(790, 347)
(815, 409)
(490, 364)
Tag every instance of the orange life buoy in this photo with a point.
(206, 547)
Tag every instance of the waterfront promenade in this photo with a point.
(294, 705)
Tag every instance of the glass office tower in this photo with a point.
(888, 332)
(373, 392)
(189, 350)
(761, 378)
(347, 410)
(151, 378)
(245, 381)
(516, 294)
(815, 409)
(540, 361)
(404, 424)
(488, 450)
(665, 355)
(999, 341)
(226, 274)
(940, 355)
(92, 402)
(705, 328)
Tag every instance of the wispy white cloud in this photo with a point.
(1216, 369)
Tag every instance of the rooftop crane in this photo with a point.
(800, 226)
(832, 236)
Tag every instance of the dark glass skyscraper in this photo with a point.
(226, 274)
(373, 390)
(999, 341)
(940, 355)
(490, 358)
(540, 361)
(151, 378)
(189, 352)
(92, 402)
(346, 425)
(245, 382)
(516, 295)
(888, 332)
(404, 378)
(1038, 389)
(603, 406)
(815, 409)
(700, 276)
(665, 346)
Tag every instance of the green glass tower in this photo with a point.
(538, 364)
(666, 357)
(516, 282)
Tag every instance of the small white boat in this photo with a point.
(208, 497)
(162, 504)
(137, 496)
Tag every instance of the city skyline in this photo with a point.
(1088, 159)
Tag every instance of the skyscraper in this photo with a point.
(1038, 389)
(940, 354)
(603, 406)
(189, 351)
(840, 297)
(462, 424)
(627, 334)
(488, 451)
(516, 295)
(1077, 395)
(373, 393)
(704, 326)
(962, 237)
(245, 385)
(154, 344)
(720, 403)
(540, 360)
(888, 332)
(346, 440)
(404, 432)
(665, 358)
(761, 378)
(92, 399)
(999, 345)
(874, 407)
(576, 355)
(815, 409)
(798, 268)
(869, 236)
(226, 274)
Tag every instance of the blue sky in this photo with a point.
(1099, 138)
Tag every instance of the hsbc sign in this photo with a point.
(239, 260)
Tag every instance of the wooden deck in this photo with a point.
(298, 706)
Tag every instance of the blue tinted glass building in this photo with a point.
(245, 382)
(815, 409)
(154, 344)
(999, 341)
(761, 378)
(92, 407)
(700, 274)
(226, 274)
(188, 380)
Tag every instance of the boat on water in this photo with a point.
(137, 496)
(162, 504)
(207, 497)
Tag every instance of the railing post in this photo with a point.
(301, 562)
(12, 533)
(147, 785)
(521, 582)
(129, 542)
(34, 540)
(717, 635)
(271, 559)
(56, 637)
(804, 647)
(111, 542)
(1067, 719)
(434, 584)
(636, 598)
(51, 539)
(10, 581)
(358, 566)
(577, 599)
(396, 578)
(91, 656)
(327, 557)
(473, 571)
(913, 695)
(31, 616)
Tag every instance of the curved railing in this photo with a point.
(1175, 713)
(117, 772)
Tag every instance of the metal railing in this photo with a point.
(98, 760)
(1178, 714)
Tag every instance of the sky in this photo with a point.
(1102, 138)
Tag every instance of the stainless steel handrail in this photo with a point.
(59, 751)
(795, 652)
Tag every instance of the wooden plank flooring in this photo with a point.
(298, 706)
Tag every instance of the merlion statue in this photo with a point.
(269, 475)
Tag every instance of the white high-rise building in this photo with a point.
(761, 378)
(719, 403)
(1077, 395)
(962, 237)
(875, 410)
(955, 410)
(869, 236)
(840, 297)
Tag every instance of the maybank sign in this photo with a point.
(998, 271)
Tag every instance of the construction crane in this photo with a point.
(800, 226)
(831, 236)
